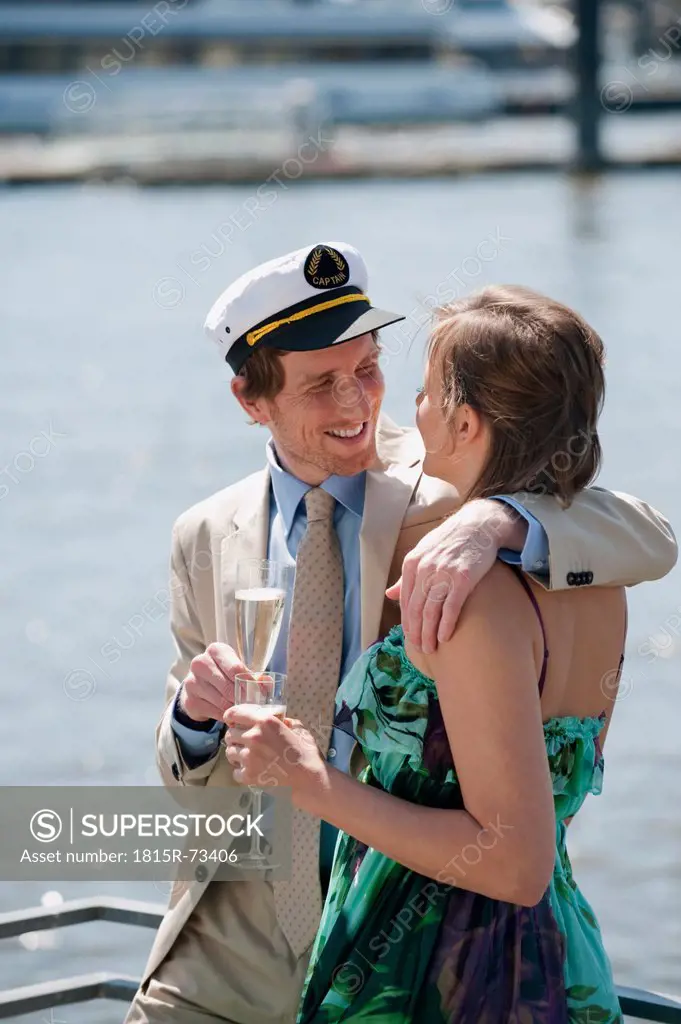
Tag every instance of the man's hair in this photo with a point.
(533, 369)
(263, 374)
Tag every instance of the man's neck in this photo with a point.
(306, 473)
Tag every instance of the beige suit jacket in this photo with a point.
(620, 540)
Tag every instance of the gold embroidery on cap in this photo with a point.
(253, 337)
(314, 261)
(337, 258)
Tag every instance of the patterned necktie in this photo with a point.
(315, 645)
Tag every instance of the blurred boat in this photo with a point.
(228, 88)
(477, 27)
(260, 97)
(385, 62)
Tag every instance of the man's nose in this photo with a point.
(349, 391)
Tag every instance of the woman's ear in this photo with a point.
(468, 424)
(256, 408)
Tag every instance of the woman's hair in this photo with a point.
(533, 369)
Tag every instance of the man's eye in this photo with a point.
(370, 369)
(420, 391)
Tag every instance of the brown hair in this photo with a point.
(533, 369)
(263, 374)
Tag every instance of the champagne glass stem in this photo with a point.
(255, 835)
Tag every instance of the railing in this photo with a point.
(636, 1003)
(80, 989)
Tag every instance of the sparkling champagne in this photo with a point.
(259, 612)
(278, 710)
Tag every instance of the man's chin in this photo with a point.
(351, 463)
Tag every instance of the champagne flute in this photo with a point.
(260, 598)
(266, 689)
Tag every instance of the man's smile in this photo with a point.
(349, 435)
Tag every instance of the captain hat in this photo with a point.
(308, 299)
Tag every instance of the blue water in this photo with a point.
(104, 291)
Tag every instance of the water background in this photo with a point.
(101, 312)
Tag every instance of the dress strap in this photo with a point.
(624, 641)
(597, 741)
(528, 590)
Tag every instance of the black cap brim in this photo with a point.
(321, 329)
(332, 328)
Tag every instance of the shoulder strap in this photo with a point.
(624, 642)
(528, 590)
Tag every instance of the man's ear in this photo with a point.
(256, 408)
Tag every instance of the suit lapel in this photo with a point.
(389, 488)
(247, 539)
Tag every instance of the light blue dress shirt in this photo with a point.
(534, 557)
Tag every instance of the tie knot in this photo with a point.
(319, 505)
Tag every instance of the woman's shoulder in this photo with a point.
(496, 614)
(500, 592)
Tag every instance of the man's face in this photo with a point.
(327, 392)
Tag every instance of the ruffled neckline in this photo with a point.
(570, 727)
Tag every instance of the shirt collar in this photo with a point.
(289, 491)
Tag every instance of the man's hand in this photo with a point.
(208, 689)
(445, 566)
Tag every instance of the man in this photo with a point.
(343, 496)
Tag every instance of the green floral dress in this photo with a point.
(394, 946)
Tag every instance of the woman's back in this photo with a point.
(585, 632)
(580, 633)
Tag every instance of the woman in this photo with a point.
(452, 897)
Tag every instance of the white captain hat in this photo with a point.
(308, 299)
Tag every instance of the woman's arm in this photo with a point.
(451, 847)
(503, 844)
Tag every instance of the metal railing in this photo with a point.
(636, 1003)
(80, 989)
